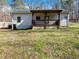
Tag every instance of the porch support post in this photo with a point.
(45, 20)
(32, 20)
(58, 25)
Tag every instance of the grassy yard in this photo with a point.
(40, 44)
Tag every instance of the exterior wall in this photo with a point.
(38, 14)
(64, 21)
(52, 16)
(26, 21)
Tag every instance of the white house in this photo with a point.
(21, 19)
(25, 19)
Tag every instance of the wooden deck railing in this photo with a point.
(45, 22)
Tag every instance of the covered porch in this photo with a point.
(46, 18)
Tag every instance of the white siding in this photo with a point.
(63, 20)
(26, 21)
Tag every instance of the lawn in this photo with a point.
(40, 44)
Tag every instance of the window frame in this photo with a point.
(38, 18)
(18, 19)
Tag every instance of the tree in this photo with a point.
(2, 2)
(17, 4)
(69, 5)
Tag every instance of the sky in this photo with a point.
(53, 1)
(35, 2)
(9, 1)
(48, 3)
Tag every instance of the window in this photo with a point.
(18, 19)
(47, 18)
(65, 17)
(37, 17)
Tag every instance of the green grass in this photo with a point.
(40, 44)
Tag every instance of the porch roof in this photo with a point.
(46, 11)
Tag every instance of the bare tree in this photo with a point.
(17, 4)
(69, 5)
(2, 2)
